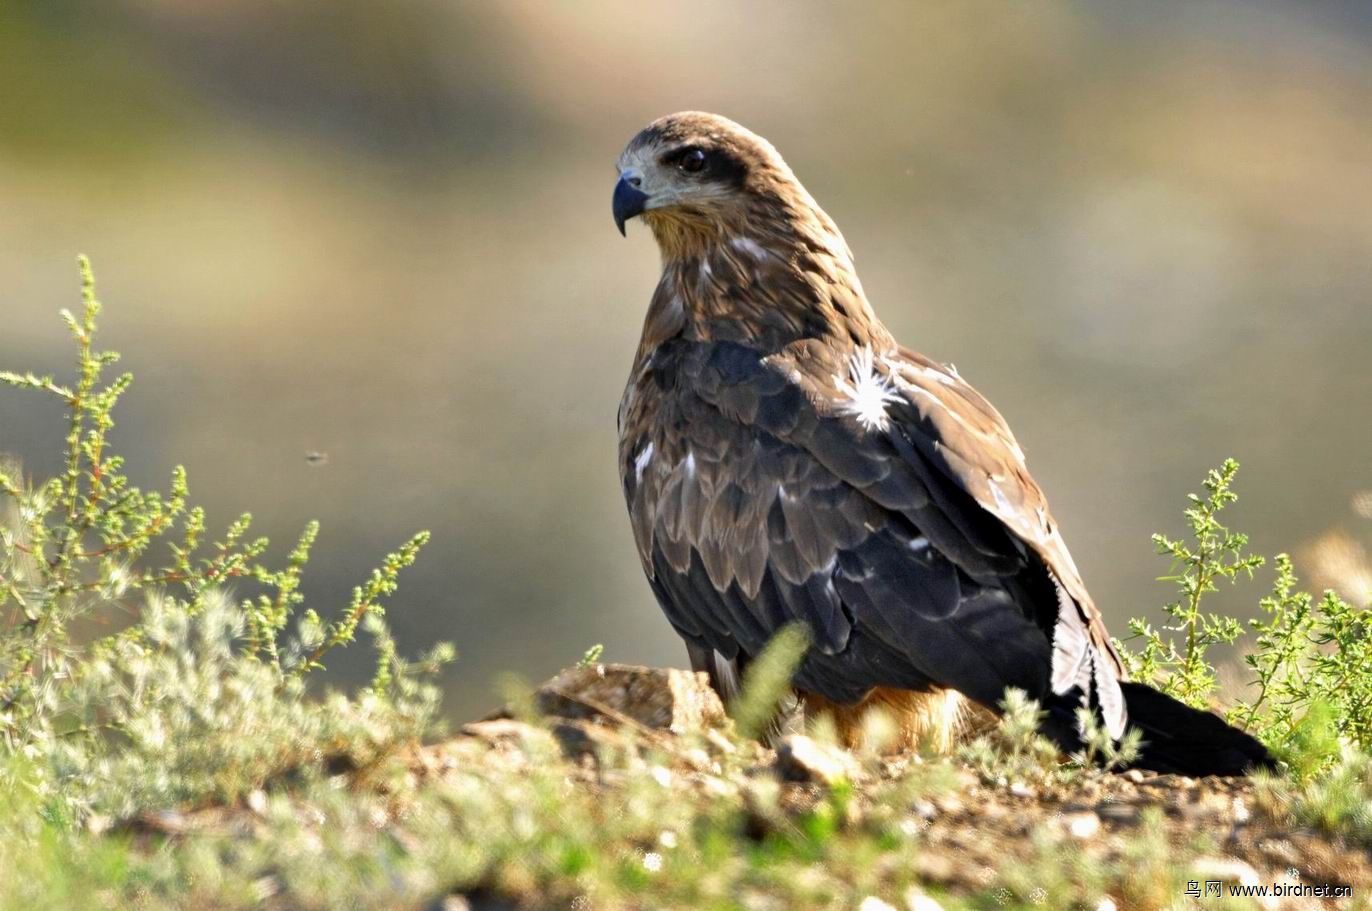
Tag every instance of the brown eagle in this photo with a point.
(785, 459)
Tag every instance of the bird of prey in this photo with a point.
(786, 460)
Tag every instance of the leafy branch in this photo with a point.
(77, 544)
(1311, 693)
(1214, 554)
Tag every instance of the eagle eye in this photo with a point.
(692, 161)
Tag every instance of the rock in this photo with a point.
(804, 759)
(666, 699)
(1081, 826)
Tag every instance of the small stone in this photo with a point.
(925, 809)
(949, 803)
(700, 760)
(1107, 903)
(1020, 789)
(1081, 826)
(257, 801)
(456, 903)
(1136, 777)
(804, 759)
(872, 903)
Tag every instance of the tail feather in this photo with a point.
(1177, 738)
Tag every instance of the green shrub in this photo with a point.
(1216, 554)
(1311, 659)
(201, 696)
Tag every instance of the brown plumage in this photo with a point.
(784, 459)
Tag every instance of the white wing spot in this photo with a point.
(645, 455)
(868, 392)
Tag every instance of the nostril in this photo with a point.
(634, 181)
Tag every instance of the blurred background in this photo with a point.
(382, 232)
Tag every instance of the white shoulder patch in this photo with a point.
(866, 392)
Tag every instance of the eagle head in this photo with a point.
(692, 173)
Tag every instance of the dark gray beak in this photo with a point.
(628, 200)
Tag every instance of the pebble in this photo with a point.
(872, 903)
(1081, 825)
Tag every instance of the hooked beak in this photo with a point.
(629, 200)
